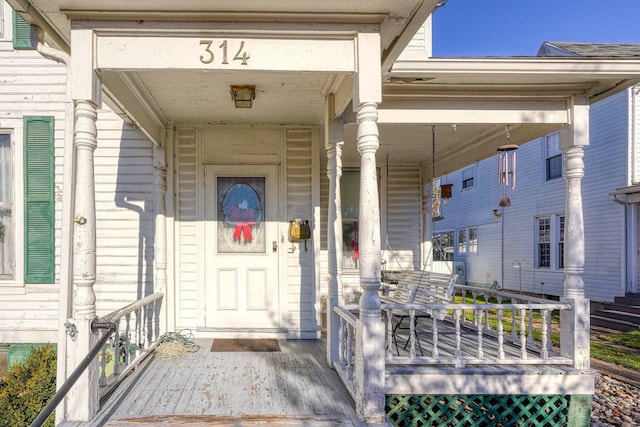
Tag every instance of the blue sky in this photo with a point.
(519, 27)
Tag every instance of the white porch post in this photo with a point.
(83, 403)
(334, 142)
(575, 324)
(370, 363)
(160, 239)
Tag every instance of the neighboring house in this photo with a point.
(520, 247)
(183, 146)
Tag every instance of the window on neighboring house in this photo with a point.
(443, 246)
(468, 240)
(544, 242)
(7, 264)
(553, 157)
(550, 242)
(473, 240)
(462, 241)
(468, 177)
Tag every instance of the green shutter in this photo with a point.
(39, 236)
(21, 33)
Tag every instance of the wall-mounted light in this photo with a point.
(243, 96)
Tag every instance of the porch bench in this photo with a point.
(419, 287)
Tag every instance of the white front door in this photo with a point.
(241, 244)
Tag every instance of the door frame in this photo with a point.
(269, 170)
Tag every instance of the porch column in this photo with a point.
(370, 363)
(160, 239)
(334, 142)
(83, 400)
(575, 324)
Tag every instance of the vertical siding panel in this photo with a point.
(186, 266)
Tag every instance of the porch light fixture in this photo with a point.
(243, 96)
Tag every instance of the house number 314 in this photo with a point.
(209, 56)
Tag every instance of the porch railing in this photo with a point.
(346, 365)
(136, 335)
(520, 329)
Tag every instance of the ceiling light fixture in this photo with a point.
(243, 96)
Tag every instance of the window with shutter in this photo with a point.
(21, 33)
(38, 198)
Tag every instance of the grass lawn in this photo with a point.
(624, 350)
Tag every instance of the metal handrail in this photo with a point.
(64, 389)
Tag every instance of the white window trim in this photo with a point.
(18, 195)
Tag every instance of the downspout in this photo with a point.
(66, 246)
(625, 240)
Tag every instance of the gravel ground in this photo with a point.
(615, 403)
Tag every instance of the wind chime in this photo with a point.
(435, 183)
(506, 169)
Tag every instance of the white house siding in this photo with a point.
(606, 168)
(34, 86)
(508, 242)
(229, 145)
(124, 188)
(634, 148)
(401, 242)
(29, 85)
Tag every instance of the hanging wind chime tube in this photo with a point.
(435, 187)
(507, 163)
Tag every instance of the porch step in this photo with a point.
(621, 315)
(230, 421)
(630, 299)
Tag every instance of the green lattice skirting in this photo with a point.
(477, 410)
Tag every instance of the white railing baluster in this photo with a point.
(412, 334)
(500, 335)
(523, 333)
(480, 349)
(544, 353)
(435, 354)
(458, 339)
(530, 330)
(389, 334)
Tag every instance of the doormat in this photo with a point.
(244, 344)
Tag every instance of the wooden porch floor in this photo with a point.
(292, 387)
